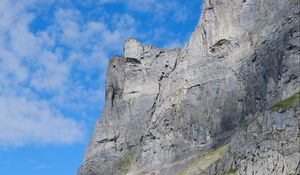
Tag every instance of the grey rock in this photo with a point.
(269, 144)
(165, 107)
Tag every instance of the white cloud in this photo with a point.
(24, 121)
(50, 74)
(46, 73)
(173, 44)
(161, 10)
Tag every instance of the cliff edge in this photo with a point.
(206, 108)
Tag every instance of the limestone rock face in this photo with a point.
(132, 49)
(269, 143)
(166, 107)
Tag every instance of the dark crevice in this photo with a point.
(132, 60)
(114, 139)
(218, 44)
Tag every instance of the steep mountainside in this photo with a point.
(207, 108)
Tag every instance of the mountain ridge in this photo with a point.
(166, 105)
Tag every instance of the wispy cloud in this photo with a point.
(26, 120)
(47, 75)
(25, 65)
(51, 72)
(175, 10)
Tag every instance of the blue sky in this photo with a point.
(53, 61)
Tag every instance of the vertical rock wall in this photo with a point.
(164, 106)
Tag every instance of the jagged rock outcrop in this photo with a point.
(165, 107)
(268, 143)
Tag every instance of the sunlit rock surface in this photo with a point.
(166, 108)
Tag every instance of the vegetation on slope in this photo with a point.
(231, 172)
(205, 161)
(288, 103)
(123, 165)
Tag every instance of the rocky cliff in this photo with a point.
(212, 107)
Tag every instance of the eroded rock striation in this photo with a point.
(206, 108)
